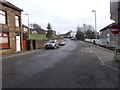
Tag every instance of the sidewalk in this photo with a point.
(105, 56)
(18, 53)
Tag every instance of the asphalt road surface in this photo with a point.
(71, 66)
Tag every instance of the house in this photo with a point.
(107, 38)
(115, 10)
(42, 31)
(10, 27)
(25, 31)
(33, 31)
(115, 14)
(71, 34)
(53, 32)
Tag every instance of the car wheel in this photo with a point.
(55, 47)
(46, 48)
(58, 46)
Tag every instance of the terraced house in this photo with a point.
(10, 27)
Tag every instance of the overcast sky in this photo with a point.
(65, 15)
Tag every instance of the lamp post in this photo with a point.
(28, 26)
(95, 24)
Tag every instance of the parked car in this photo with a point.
(61, 43)
(72, 38)
(52, 44)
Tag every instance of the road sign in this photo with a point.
(115, 29)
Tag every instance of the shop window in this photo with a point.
(4, 40)
(3, 17)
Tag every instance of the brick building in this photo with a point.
(115, 10)
(42, 31)
(10, 27)
(107, 38)
(25, 31)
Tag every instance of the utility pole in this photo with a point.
(95, 24)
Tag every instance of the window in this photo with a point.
(25, 29)
(4, 42)
(17, 21)
(3, 17)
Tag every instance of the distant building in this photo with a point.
(10, 27)
(53, 32)
(42, 31)
(71, 34)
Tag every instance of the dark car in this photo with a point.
(72, 38)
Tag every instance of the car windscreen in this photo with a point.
(51, 41)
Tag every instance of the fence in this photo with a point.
(33, 44)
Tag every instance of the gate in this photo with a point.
(34, 44)
(24, 45)
(28, 45)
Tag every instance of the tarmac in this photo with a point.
(105, 56)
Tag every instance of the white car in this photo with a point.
(61, 43)
(52, 44)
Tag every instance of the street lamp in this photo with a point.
(28, 26)
(95, 24)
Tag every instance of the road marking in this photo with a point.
(102, 60)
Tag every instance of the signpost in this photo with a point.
(115, 30)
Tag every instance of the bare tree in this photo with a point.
(35, 26)
(86, 31)
(80, 34)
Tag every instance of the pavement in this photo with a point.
(106, 56)
(18, 53)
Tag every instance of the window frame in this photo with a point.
(17, 21)
(5, 16)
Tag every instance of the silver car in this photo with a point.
(52, 44)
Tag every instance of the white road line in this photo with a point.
(111, 67)
(103, 61)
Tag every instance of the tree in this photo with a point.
(88, 31)
(80, 34)
(49, 31)
(49, 27)
(35, 26)
(90, 34)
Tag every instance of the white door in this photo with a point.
(18, 43)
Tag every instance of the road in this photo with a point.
(71, 66)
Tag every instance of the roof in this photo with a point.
(8, 4)
(24, 26)
(107, 27)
